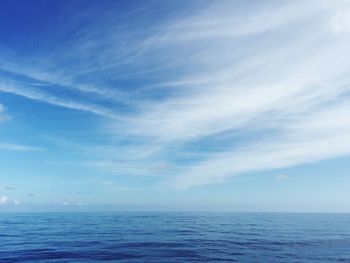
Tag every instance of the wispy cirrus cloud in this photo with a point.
(18, 147)
(215, 74)
(287, 77)
(317, 136)
(45, 97)
(228, 87)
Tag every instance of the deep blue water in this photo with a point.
(174, 237)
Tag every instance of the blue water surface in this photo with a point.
(174, 237)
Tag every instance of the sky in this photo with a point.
(175, 105)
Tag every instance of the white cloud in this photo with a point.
(292, 81)
(4, 200)
(18, 148)
(283, 78)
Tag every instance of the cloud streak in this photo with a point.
(18, 147)
(3, 115)
(41, 96)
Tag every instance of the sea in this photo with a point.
(174, 237)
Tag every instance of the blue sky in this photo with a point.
(175, 105)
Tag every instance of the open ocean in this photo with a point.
(174, 237)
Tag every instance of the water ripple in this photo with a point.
(174, 237)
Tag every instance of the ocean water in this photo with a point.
(174, 237)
